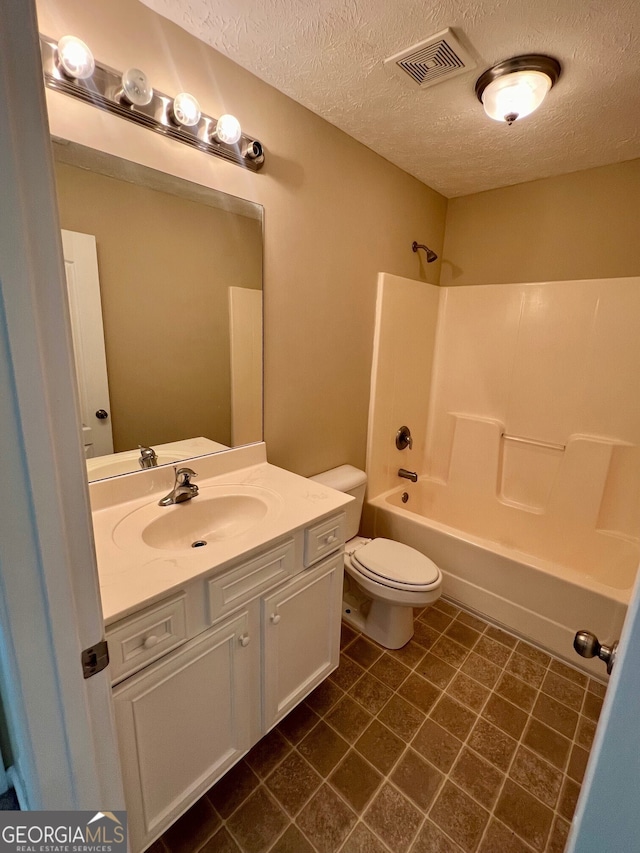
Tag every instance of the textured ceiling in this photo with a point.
(328, 56)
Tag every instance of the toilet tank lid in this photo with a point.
(343, 479)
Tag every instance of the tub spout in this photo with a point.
(408, 475)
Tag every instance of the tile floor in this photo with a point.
(467, 739)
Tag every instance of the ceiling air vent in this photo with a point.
(432, 60)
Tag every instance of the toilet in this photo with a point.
(384, 580)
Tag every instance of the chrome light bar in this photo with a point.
(104, 89)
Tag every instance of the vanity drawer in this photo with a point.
(321, 539)
(234, 588)
(139, 639)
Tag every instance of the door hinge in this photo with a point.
(95, 659)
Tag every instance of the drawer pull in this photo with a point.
(275, 618)
(244, 640)
(150, 641)
(321, 539)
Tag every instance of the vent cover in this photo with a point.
(432, 60)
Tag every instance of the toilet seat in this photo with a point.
(396, 565)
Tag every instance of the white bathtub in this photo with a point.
(555, 581)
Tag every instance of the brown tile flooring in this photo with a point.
(467, 739)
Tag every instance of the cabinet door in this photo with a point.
(181, 723)
(301, 628)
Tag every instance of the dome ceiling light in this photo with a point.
(516, 87)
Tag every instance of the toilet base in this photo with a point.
(389, 625)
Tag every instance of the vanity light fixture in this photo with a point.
(254, 150)
(75, 60)
(227, 130)
(186, 110)
(69, 67)
(516, 87)
(136, 89)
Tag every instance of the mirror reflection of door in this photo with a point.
(83, 286)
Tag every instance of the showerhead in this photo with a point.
(431, 255)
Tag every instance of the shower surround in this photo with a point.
(521, 401)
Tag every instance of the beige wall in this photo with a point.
(575, 226)
(165, 266)
(336, 214)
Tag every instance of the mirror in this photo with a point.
(177, 273)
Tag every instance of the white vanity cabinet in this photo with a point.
(301, 637)
(247, 644)
(182, 722)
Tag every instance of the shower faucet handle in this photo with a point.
(588, 646)
(403, 438)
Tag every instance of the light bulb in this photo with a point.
(515, 95)
(227, 130)
(135, 87)
(75, 59)
(186, 110)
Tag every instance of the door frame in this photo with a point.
(61, 726)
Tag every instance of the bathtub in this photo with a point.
(522, 570)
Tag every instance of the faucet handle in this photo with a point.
(403, 438)
(183, 475)
(148, 457)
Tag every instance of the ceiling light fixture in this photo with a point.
(516, 87)
(75, 59)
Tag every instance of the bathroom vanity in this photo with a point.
(212, 645)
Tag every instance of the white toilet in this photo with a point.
(384, 579)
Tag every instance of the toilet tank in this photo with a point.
(353, 482)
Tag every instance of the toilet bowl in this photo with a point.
(384, 579)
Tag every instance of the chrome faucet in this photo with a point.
(408, 475)
(183, 489)
(148, 457)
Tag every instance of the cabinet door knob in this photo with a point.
(244, 640)
(275, 618)
(150, 641)
(331, 538)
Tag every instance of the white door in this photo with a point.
(60, 724)
(83, 286)
(607, 819)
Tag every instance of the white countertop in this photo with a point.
(133, 577)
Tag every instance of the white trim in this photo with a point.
(61, 726)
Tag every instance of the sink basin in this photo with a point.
(217, 513)
(197, 522)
